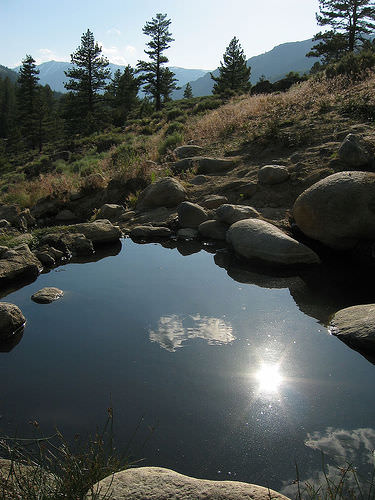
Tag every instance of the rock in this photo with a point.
(20, 481)
(30, 221)
(213, 229)
(356, 327)
(188, 151)
(258, 239)
(111, 212)
(273, 174)
(149, 232)
(99, 231)
(11, 320)
(187, 233)
(191, 214)
(78, 244)
(352, 152)
(183, 165)
(199, 180)
(4, 224)
(47, 295)
(45, 258)
(338, 210)
(47, 207)
(158, 216)
(229, 214)
(2, 251)
(126, 216)
(214, 165)
(65, 216)
(21, 265)
(214, 201)
(156, 483)
(167, 192)
(11, 213)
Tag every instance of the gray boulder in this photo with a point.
(47, 295)
(127, 216)
(149, 232)
(78, 244)
(214, 201)
(99, 231)
(11, 320)
(208, 165)
(273, 174)
(352, 152)
(191, 214)
(167, 192)
(156, 483)
(258, 239)
(213, 229)
(20, 264)
(356, 327)
(45, 258)
(229, 214)
(187, 151)
(111, 212)
(338, 210)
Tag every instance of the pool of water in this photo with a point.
(234, 369)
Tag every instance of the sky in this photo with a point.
(202, 29)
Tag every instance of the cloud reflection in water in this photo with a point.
(173, 330)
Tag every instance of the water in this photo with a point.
(237, 381)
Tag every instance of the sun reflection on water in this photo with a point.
(269, 378)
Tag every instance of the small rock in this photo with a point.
(149, 232)
(47, 295)
(11, 319)
(78, 244)
(110, 211)
(273, 174)
(229, 214)
(199, 180)
(214, 165)
(213, 229)
(214, 201)
(352, 152)
(126, 216)
(99, 231)
(187, 151)
(191, 214)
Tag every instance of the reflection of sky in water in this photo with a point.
(173, 330)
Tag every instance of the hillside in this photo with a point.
(8, 73)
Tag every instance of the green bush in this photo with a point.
(174, 113)
(206, 105)
(104, 142)
(170, 142)
(124, 155)
(174, 127)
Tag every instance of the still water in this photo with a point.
(234, 370)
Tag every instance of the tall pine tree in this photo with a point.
(122, 94)
(188, 92)
(234, 74)
(27, 96)
(157, 82)
(349, 20)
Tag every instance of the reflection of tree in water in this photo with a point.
(173, 330)
(341, 448)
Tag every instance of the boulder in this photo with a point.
(356, 327)
(214, 201)
(214, 165)
(11, 320)
(198, 180)
(273, 174)
(187, 151)
(127, 216)
(65, 216)
(110, 211)
(47, 295)
(352, 152)
(149, 232)
(20, 265)
(229, 214)
(99, 231)
(45, 258)
(167, 192)
(78, 244)
(213, 229)
(258, 239)
(158, 216)
(156, 483)
(191, 214)
(338, 210)
(12, 214)
(187, 233)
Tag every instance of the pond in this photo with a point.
(233, 368)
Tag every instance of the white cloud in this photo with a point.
(120, 55)
(114, 31)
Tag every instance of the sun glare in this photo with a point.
(269, 378)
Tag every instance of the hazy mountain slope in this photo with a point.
(6, 72)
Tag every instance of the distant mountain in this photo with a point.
(274, 65)
(6, 72)
(52, 73)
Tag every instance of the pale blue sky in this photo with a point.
(50, 29)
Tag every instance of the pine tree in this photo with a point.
(157, 82)
(188, 92)
(349, 21)
(233, 72)
(27, 94)
(87, 78)
(122, 93)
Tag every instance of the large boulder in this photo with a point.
(273, 174)
(156, 483)
(19, 264)
(352, 152)
(338, 210)
(191, 214)
(229, 214)
(99, 231)
(187, 151)
(167, 192)
(356, 327)
(111, 212)
(258, 239)
(11, 319)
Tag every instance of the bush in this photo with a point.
(170, 142)
(174, 127)
(174, 113)
(124, 155)
(104, 142)
(207, 105)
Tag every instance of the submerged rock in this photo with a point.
(156, 483)
(47, 295)
(356, 327)
(258, 239)
(11, 320)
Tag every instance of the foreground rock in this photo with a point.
(229, 214)
(338, 210)
(257, 239)
(352, 152)
(213, 229)
(47, 295)
(187, 151)
(19, 264)
(11, 320)
(111, 212)
(156, 483)
(167, 192)
(99, 231)
(356, 327)
(191, 214)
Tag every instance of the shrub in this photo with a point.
(206, 105)
(174, 127)
(124, 155)
(104, 142)
(170, 142)
(174, 113)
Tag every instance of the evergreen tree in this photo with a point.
(168, 83)
(349, 21)
(7, 107)
(87, 79)
(188, 92)
(27, 94)
(157, 82)
(122, 93)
